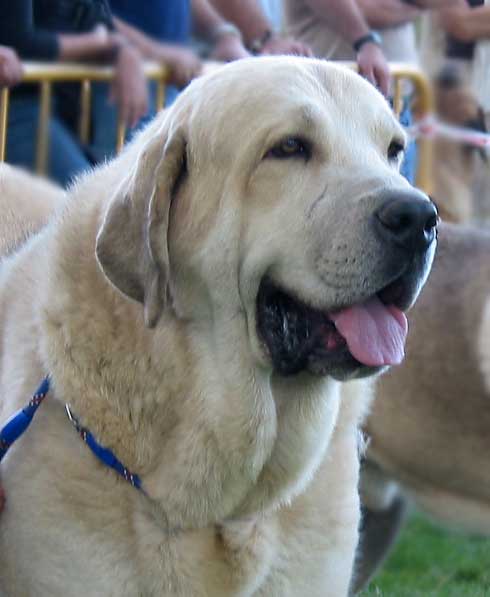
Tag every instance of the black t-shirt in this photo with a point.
(455, 48)
(31, 26)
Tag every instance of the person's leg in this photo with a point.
(66, 158)
(171, 94)
(104, 122)
(102, 144)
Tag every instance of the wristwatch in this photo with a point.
(370, 38)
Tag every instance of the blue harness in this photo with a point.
(20, 421)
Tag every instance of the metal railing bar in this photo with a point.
(49, 73)
(4, 112)
(85, 110)
(42, 151)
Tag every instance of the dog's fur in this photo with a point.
(139, 300)
(455, 165)
(429, 423)
(28, 202)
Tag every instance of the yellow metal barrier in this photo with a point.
(47, 74)
(425, 106)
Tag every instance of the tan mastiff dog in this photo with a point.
(429, 425)
(198, 304)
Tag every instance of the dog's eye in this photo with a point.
(290, 147)
(395, 150)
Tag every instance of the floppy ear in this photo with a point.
(131, 245)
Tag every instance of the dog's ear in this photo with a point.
(131, 245)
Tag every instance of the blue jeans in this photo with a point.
(66, 157)
(104, 119)
(410, 163)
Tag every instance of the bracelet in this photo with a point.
(224, 29)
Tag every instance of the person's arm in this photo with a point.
(17, 31)
(226, 39)
(10, 72)
(381, 14)
(183, 63)
(345, 17)
(466, 23)
(85, 46)
(257, 32)
(247, 15)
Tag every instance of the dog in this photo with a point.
(28, 203)
(208, 306)
(458, 167)
(429, 420)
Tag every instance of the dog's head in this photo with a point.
(269, 206)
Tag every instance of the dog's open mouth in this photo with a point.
(353, 340)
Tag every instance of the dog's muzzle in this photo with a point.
(407, 221)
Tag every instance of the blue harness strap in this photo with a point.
(20, 421)
(105, 455)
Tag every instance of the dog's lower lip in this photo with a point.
(297, 337)
(394, 294)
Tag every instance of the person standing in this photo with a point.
(161, 31)
(306, 21)
(64, 31)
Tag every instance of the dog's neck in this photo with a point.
(141, 392)
(174, 400)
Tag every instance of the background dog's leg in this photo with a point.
(384, 511)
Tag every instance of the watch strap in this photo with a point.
(370, 38)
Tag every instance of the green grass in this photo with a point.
(431, 562)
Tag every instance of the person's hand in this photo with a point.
(373, 66)
(184, 64)
(228, 48)
(129, 89)
(10, 67)
(285, 45)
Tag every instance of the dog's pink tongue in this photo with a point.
(375, 333)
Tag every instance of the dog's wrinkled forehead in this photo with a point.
(247, 96)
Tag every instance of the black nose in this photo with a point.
(408, 221)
